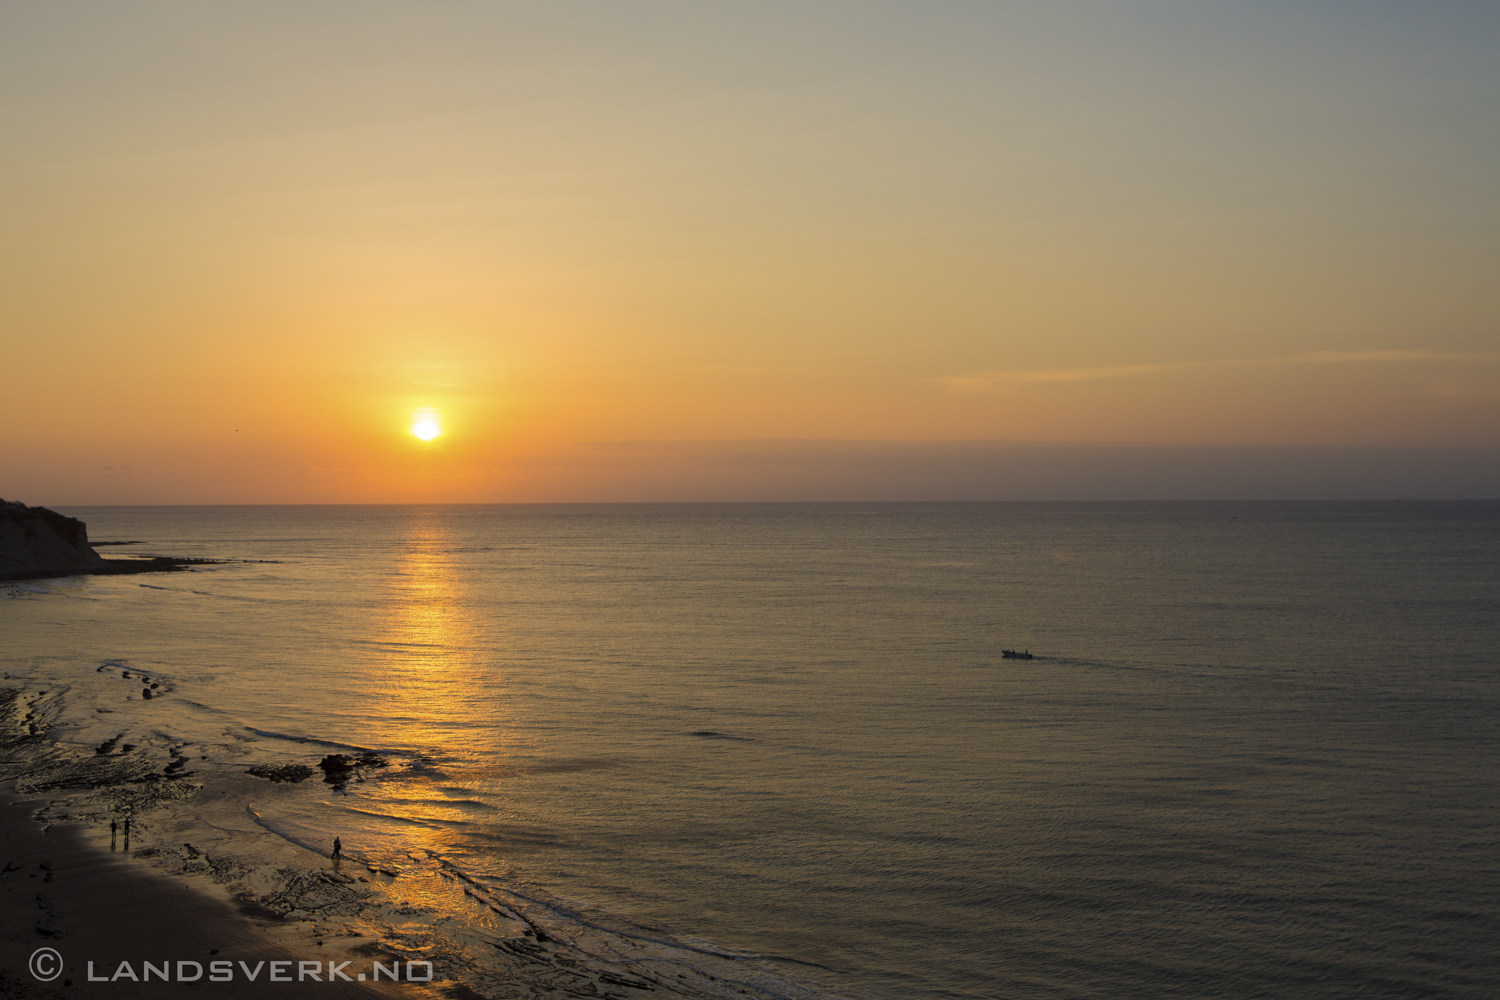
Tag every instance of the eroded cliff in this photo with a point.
(37, 541)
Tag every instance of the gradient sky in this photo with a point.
(244, 243)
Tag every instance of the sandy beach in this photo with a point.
(98, 909)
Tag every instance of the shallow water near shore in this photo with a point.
(1255, 754)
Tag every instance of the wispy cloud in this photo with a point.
(993, 381)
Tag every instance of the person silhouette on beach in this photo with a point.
(127, 833)
(338, 850)
(114, 830)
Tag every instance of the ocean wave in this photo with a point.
(463, 803)
(312, 740)
(573, 914)
(289, 832)
(513, 836)
(431, 822)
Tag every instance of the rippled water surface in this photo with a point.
(1255, 755)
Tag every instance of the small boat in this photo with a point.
(1011, 654)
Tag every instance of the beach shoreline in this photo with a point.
(107, 917)
(203, 877)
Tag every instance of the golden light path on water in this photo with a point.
(427, 673)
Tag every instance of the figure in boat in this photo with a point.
(1011, 654)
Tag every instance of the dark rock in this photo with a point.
(339, 768)
(291, 773)
(35, 539)
(336, 763)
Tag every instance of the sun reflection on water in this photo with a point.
(431, 657)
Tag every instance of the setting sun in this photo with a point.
(426, 428)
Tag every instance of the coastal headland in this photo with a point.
(37, 543)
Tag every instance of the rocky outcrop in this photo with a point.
(35, 541)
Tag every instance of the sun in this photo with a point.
(426, 426)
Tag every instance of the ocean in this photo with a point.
(1254, 755)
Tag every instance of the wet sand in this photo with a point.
(58, 891)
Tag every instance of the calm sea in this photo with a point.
(1255, 754)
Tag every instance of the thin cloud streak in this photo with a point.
(993, 381)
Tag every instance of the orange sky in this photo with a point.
(244, 244)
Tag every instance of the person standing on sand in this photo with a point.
(338, 850)
(114, 829)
